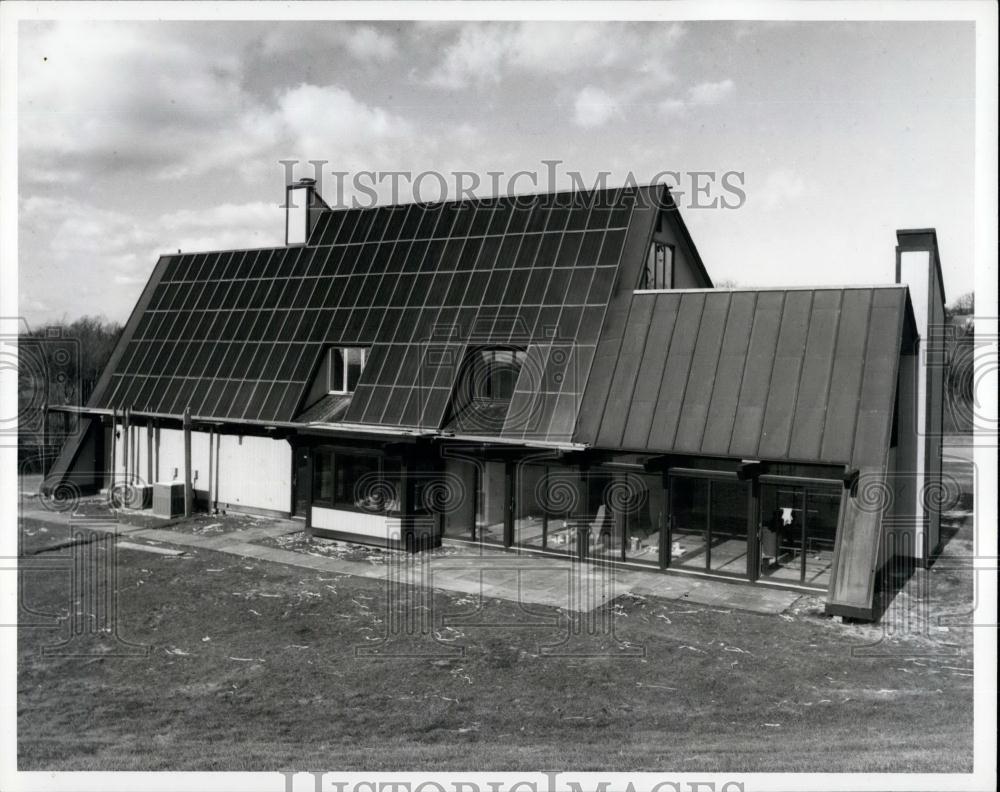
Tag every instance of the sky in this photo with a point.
(143, 138)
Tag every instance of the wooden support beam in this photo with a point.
(149, 452)
(188, 489)
(125, 444)
(44, 460)
(211, 459)
(114, 447)
(218, 456)
(749, 469)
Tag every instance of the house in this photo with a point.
(551, 373)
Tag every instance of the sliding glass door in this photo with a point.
(550, 506)
(798, 528)
(710, 525)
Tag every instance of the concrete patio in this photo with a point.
(484, 572)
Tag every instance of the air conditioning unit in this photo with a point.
(132, 496)
(168, 499)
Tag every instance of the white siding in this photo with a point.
(255, 471)
(375, 526)
(249, 471)
(914, 271)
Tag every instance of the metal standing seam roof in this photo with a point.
(237, 334)
(797, 375)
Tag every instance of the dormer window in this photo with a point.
(493, 373)
(343, 368)
(659, 270)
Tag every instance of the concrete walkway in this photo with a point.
(482, 572)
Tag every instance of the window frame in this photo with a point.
(333, 456)
(499, 371)
(488, 356)
(344, 367)
(650, 266)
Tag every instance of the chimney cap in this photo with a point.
(917, 236)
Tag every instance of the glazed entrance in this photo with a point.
(777, 529)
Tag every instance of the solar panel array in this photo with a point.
(238, 334)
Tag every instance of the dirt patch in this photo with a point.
(300, 542)
(218, 524)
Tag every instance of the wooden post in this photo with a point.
(45, 438)
(406, 536)
(218, 454)
(211, 458)
(309, 491)
(509, 485)
(188, 491)
(149, 451)
(125, 446)
(114, 447)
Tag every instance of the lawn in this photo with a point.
(253, 666)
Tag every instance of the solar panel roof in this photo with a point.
(236, 335)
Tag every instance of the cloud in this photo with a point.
(483, 53)
(779, 188)
(169, 101)
(707, 93)
(367, 42)
(700, 95)
(329, 117)
(475, 58)
(107, 97)
(671, 107)
(594, 107)
(74, 253)
(309, 42)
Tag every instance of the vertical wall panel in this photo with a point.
(255, 472)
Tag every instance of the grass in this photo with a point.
(252, 666)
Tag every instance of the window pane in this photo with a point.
(781, 521)
(490, 502)
(565, 500)
(530, 516)
(355, 363)
(323, 477)
(493, 373)
(658, 273)
(391, 482)
(689, 538)
(641, 503)
(728, 525)
(460, 518)
(798, 529)
(357, 483)
(336, 370)
(822, 512)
